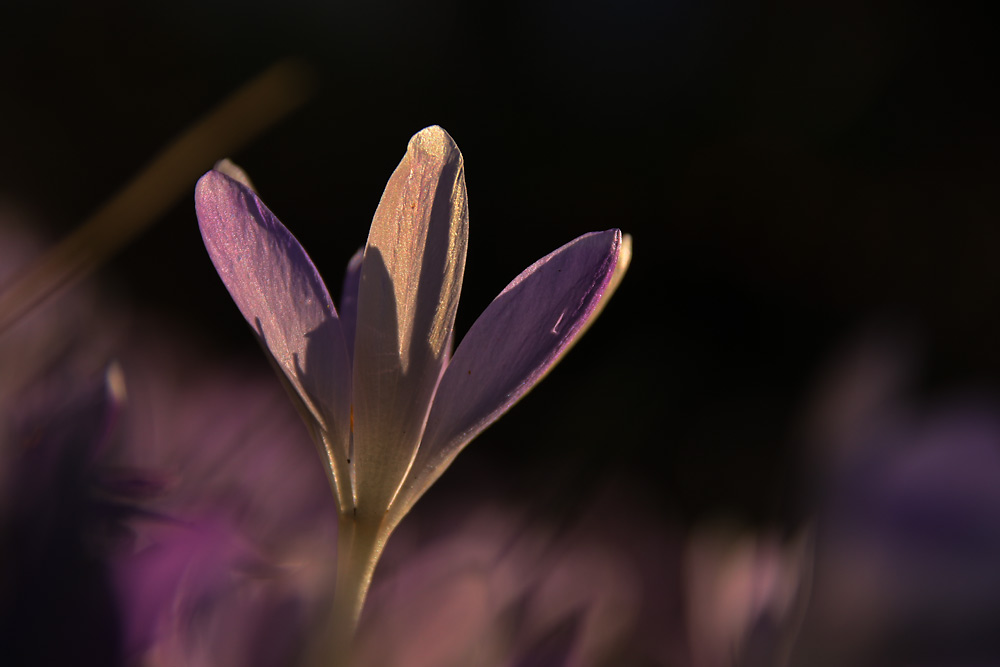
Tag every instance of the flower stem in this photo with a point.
(360, 541)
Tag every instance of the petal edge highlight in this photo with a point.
(512, 346)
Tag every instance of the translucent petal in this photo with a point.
(512, 345)
(281, 295)
(410, 283)
(349, 299)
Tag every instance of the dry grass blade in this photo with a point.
(245, 114)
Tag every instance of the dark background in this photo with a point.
(791, 174)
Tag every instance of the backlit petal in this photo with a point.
(512, 345)
(349, 299)
(276, 287)
(410, 283)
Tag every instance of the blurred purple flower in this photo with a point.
(384, 398)
(63, 503)
(62, 507)
(230, 563)
(144, 518)
(909, 521)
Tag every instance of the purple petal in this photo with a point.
(278, 290)
(513, 344)
(410, 282)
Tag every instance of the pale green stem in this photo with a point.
(360, 541)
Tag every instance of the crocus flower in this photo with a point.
(384, 398)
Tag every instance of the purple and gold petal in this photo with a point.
(411, 278)
(349, 299)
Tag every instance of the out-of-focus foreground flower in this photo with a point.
(144, 518)
(228, 564)
(745, 594)
(500, 586)
(385, 399)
